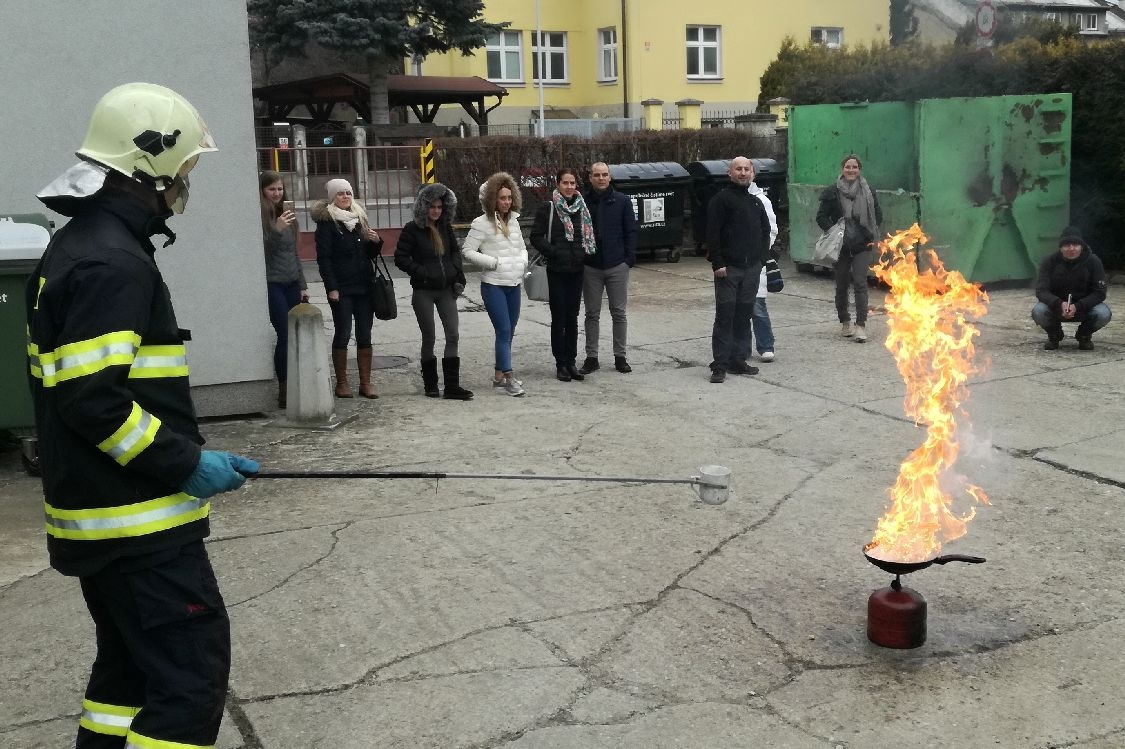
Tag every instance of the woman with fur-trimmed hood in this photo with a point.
(495, 243)
(345, 246)
(429, 253)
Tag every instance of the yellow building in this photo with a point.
(602, 58)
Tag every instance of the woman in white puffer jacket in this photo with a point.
(495, 244)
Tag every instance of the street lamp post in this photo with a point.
(539, 43)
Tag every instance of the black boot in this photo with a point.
(1053, 338)
(451, 371)
(429, 378)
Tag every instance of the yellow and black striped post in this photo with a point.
(426, 153)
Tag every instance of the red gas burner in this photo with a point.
(896, 617)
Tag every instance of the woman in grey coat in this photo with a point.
(285, 279)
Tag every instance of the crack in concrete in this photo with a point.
(12, 727)
(331, 549)
(1097, 479)
(242, 722)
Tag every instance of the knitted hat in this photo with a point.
(1070, 235)
(337, 185)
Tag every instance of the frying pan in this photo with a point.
(903, 568)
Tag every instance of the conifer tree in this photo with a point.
(379, 32)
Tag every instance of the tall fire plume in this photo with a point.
(931, 337)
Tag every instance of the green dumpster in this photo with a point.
(22, 241)
(988, 179)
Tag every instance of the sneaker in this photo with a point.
(503, 381)
(860, 333)
(846, 329)
(742, 368)
(1052, 345)
(621, 365)
(766, 356)
(718, 375)
(1086, 344)
(590, 365)
(513, 387)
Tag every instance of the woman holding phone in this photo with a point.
(285, 279)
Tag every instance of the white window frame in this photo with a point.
(820, 35)
(549, 50)
(1051, 15)
(607, 54)
(1089, 22)
(501, 45)
(696, 47)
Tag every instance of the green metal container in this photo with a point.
(988, 179)
(22, 241)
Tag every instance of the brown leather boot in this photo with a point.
(363, 359)
(340, 364)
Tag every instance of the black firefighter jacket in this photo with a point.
(109, 380)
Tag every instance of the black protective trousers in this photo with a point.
(163, 641)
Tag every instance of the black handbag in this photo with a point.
(383, 291)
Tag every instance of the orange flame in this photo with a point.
(931, 339)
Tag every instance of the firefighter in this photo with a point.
(125, 481)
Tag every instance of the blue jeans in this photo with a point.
(1051, 321)
(503, 306)
(282, 297)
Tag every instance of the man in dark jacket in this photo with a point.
(607, 270)
(1071, 288)
(125, 481)
(737, 239)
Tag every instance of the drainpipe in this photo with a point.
(624, 62)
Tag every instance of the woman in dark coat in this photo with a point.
(345, 247)
(429, 253)
(851, 198)
(564, 235)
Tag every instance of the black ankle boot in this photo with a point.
(429, 378)
(562, 374)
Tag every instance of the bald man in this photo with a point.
(738, 234)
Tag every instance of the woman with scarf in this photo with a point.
(285, 279)
(495, 243)
(345, 247)
(428, 252)
(853, 200)
(564, 235)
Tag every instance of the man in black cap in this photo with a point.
(1071, 288)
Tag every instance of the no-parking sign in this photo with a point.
(986, 19)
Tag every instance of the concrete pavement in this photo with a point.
(532, 615)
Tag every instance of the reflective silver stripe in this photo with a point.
(189, 504)
(87, 357)
(134, 435)
(108, 719)
(159, 362)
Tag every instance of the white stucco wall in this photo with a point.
(59, 57)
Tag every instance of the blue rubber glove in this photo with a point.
(217, 472)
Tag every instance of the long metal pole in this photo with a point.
(539, 42)
(441, 475)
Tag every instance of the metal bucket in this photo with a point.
(713, 484)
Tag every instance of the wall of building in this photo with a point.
(654, 63)
(59, 58)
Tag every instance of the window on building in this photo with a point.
(554, 57)
(1087, 21)
(1048, 16)
(504, 58)
(607, 54)
(704, 52)
(827, 36)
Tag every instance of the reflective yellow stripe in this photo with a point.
(132, 437)
(139, 519)
(136, 741)
(112, 720)
(88, 357)
(42, 283)
(33, 357)
(160, 361)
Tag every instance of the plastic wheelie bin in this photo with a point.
(659, 193)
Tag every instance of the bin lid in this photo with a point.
(653, 171)
(19, 241)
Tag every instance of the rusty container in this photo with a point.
(896, 617)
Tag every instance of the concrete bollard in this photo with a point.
(310, 400)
